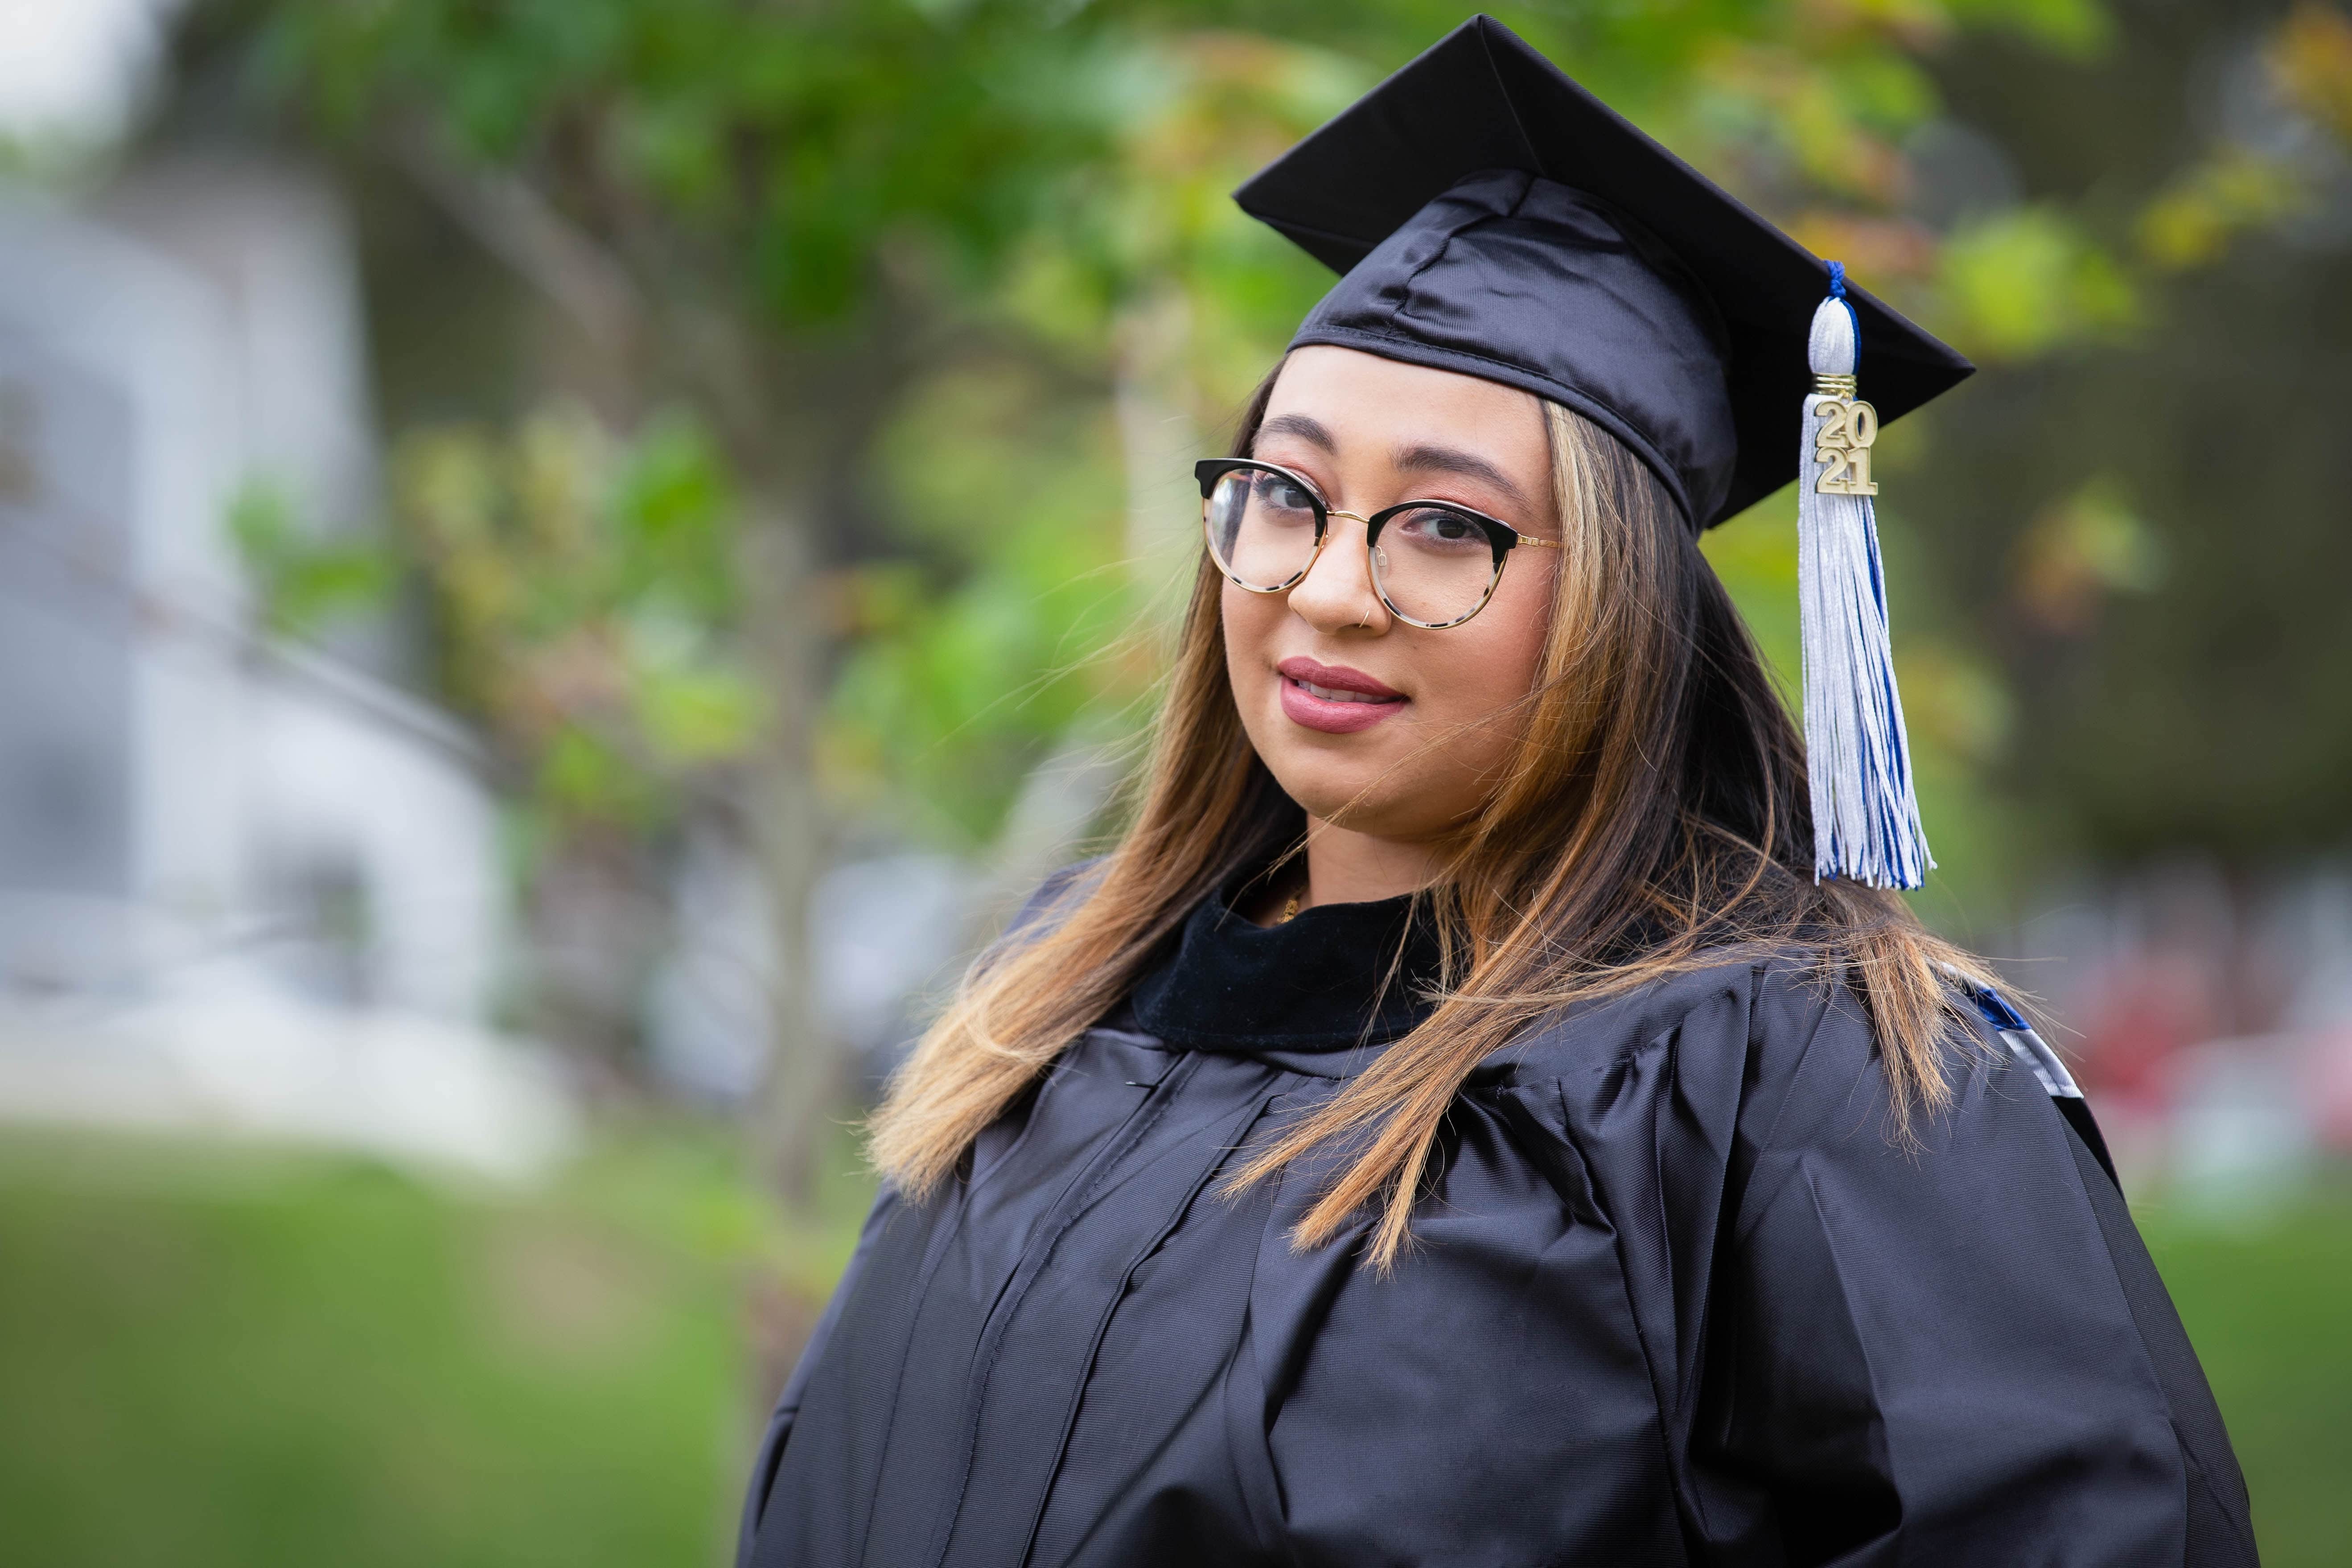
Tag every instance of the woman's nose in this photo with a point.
(1336, 592)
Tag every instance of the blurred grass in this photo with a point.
(215, 1356)
(2267, 1300)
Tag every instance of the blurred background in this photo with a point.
(563, 561)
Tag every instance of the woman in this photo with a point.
(1453, 1125)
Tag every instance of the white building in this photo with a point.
(238, 886)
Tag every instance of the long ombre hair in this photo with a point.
(1652, 819)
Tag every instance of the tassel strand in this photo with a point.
(1866, 813)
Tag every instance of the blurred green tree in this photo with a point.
(2146, 531)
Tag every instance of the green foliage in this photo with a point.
(2238, 186)
(960, 677)
(2192, 223)
(2022, 283)
(2076, 28)
(300, 582)
(2087, 546)
(791, 138)
(584, 592)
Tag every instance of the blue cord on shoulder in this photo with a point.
(2030, 1050)
(1996, 1008)
(1837, 279)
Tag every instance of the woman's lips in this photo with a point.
(1333, 698)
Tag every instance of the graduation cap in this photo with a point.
(1490, 217)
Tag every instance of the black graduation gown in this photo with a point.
(1676, 1297)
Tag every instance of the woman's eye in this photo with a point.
(1284, 495)
(1442, 528)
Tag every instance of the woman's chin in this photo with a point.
(1361, 797)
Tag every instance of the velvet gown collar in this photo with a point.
(1321, 982)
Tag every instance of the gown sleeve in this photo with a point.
(788, 1405)
(1929, 1352)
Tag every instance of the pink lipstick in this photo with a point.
(1333, 698)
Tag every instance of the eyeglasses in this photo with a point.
(1435, 564)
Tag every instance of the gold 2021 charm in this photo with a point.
(1849, 427)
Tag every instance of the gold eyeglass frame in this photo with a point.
(1500, 536)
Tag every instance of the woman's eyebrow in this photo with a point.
(1453, 460)
(1308, 430)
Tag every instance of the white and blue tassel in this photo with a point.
(1866, 813)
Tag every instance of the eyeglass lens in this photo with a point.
(1261, 528)
(1431, 564)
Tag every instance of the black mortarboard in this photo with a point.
(1493, 217)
